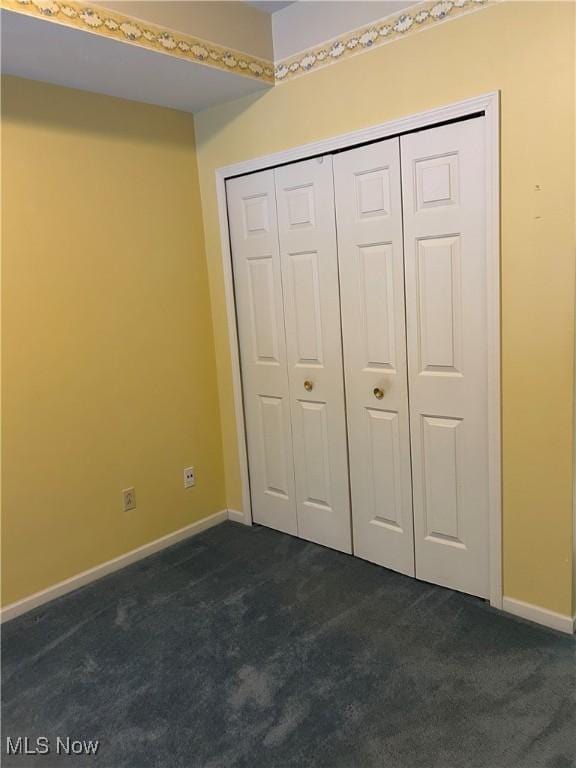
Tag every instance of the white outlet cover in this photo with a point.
(189, 477)
(128, 499)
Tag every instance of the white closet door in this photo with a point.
(260, 314)
(370, 255)
(443, 171)
(305, 197)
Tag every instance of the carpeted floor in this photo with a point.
(248, 648)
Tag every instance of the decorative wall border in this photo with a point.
(126, 29)
(421, 16)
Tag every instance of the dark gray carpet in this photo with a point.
(247, 648)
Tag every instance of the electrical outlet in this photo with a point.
(189, 477)
(128, 499)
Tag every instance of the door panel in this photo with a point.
(385, 466)
(307, 309)
(274, 446)
(260, 314)
(263, 309)
(441, 456)
(316, 461)
(443, 172)
(305, 199)
(439, 304)
(369, 221)
(377, 306)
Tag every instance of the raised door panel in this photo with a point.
(263, 310)
(436, 181)
(276, 462)
(305, 288)
(300, 206)
(370, 255)
(377, 306)
(444, 229)
(308, 251)
(385, 462)
(439, 305)
(442, 457)
(316, 457)
(256, 212)
(260, 314)
(372, 192)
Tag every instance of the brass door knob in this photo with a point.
(308, 386)
(378, 393)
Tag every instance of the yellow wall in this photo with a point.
(108, 356)
(527, 51)
(225, 22)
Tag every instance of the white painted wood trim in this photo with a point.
(116, 564)
(574, 465)
(234, 345)
(238, 517)
(374, 133)
(489, 104)
(539, 615)
(492, 113)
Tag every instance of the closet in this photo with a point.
(360, 289)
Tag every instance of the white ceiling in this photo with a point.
(304, 25)
(40, 50)
(53, 53)
(271, 6)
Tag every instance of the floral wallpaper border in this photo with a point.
(378, 33)
(127, 29)
(107, 23)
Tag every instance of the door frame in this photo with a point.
(489, 104)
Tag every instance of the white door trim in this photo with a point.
(488, 104)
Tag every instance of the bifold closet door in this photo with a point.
(444, 193)
(369, 223)
(307, 233)
(260, 315)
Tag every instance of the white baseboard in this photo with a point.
(539, 615)
(527, 611)
(238, 517)
(81, 579)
